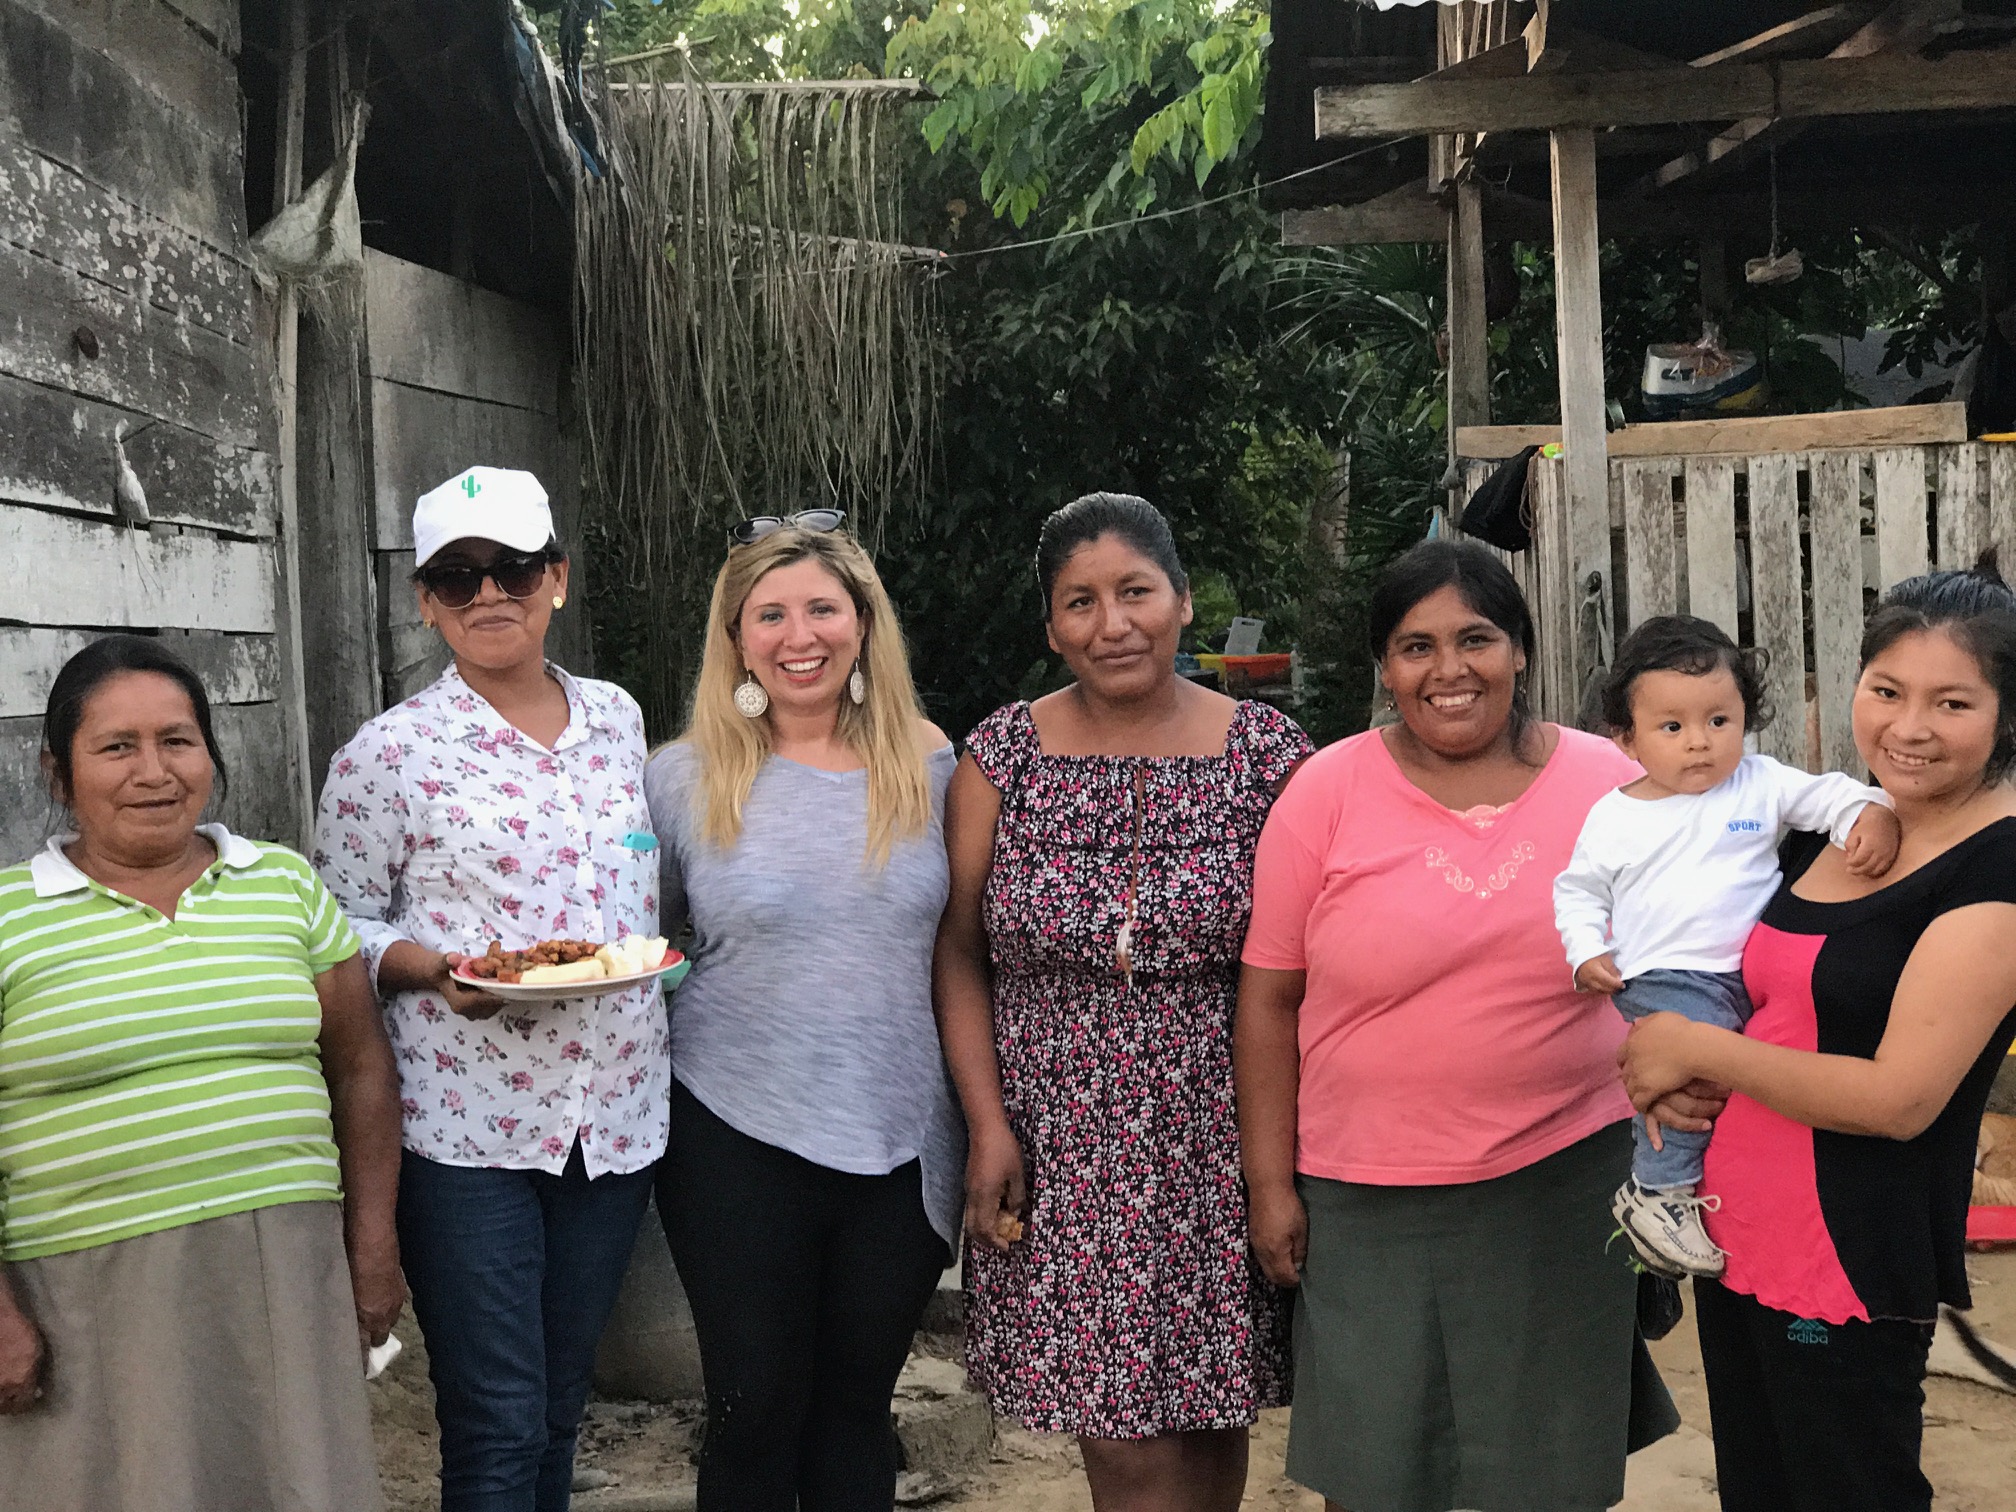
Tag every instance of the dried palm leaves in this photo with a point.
(750, 339)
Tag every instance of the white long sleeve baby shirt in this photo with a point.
(1675, 884)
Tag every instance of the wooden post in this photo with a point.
(287, 352)
(336, 488)
(1578, 323)
(1469, 332)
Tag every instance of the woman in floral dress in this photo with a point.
(1102, 846)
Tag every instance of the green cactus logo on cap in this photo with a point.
(471, 487)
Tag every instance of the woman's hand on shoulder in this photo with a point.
(1278, 1225)
(21, 1356)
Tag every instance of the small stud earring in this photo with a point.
(558, 601)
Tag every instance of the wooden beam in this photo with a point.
(1897, 84)
(1543, 103)
(59, 455)
(1899, 30)
(1803, 35)
(1798, 89)
(1569, 49)
(1414, 215)
(1411, 213)
(235, 669)
(1901, 26)
(1743, 435)
(116, 577)
(1578, 325)
(1469, 331)
(432, 331)
(1505, 61)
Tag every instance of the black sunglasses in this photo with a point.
(518, 577)
(752, 530)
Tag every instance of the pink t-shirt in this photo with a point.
(1442, 1037)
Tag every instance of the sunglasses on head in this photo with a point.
(518, 575)
(752, 530)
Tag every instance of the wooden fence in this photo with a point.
(1785, 550)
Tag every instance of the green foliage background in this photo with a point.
(1119, 314)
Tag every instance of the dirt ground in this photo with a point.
(645, 1452)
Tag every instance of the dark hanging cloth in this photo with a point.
(1497, 513)
(1991, 402)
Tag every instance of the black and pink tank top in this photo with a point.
(1850, 1227)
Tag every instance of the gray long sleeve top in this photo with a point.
(806, 1020)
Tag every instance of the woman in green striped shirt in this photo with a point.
(199, 1136)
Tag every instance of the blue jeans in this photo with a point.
(513, 1274)
(1706, 997)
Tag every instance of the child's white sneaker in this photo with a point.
(1665, 1228)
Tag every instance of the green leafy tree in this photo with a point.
(1119, 314)
(1114, 321)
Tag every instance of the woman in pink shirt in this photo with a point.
(1430, 1116)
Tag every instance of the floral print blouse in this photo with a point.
(443, 824)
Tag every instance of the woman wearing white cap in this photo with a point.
(505, 802)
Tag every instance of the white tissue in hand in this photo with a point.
(381, 1356)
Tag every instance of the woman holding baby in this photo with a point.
(1837, 1178)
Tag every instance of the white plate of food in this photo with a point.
(557, 969)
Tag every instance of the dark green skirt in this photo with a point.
(1473, 1346)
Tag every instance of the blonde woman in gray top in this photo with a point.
(812, 1187)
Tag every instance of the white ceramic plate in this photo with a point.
(671, 973)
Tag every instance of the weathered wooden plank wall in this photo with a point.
(128, 313)
(1784, 550)
(459, 377)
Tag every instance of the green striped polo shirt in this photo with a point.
(155, 1071)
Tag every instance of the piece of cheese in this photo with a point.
(633, 955)
(574, 971)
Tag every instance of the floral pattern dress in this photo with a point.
(1132, 1307)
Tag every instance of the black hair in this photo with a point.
(1480, 579)
(1683, 643)
(1082, 521)
(89, 670)
(1978, 610)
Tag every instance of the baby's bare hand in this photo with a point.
(1599, 974)
(1872, 843)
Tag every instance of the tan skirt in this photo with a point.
(208, 1368)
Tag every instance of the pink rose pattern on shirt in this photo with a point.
(442, 824)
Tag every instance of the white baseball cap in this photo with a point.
(498, 504)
